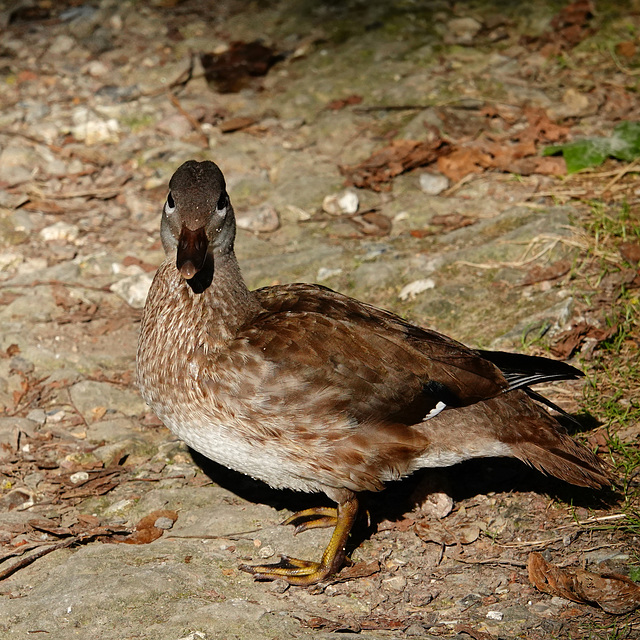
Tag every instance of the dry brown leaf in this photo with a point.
(384, 165)
(568, 341)
(49, 526)
(572, 23)
(236, 124)
(462, 161)
(358, 570)
(543, 274)
(630, 251)
(351, 624)
(372, 223)
(341, 103)
(132, 260)
(146, 531)
(612, 592)
(626, 49)
(546, 166)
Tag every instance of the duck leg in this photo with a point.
(307, 572)
(313, 518)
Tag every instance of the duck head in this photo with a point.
(197, 217)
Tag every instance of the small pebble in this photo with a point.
(462, 30)
(96, 69)
(37, 415)
(79, 476)
(345, 203)
(263, 219)
(397, 583)
(349, 202)
(324, 273)
(266, 551)
(415, 630)
(60, 231)
(411, 290)
(163, 523)
(433, 183)
(495, 615)
(279, 586)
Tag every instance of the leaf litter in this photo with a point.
(508, 139)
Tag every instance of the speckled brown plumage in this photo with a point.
(305, 388)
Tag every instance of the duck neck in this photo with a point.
(220, 293)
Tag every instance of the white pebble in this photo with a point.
(349, 202)
(60, 231)
(411, 290)
(433, 183)
(337, 204)
(79, 476)
(495, 615)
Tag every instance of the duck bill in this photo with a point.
(192, 251)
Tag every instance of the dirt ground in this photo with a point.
(391, 150)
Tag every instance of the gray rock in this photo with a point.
(92, 398)
(17, 162)
(133, 289)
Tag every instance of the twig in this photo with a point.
(531, 543)
(579, 523)
(105, 193)
(455, 187)
(240, 535)
(511, 563)
(628, 169)
(40, 283)
(186, 76)
(204, 140)
(625, 70)
(518, 263)
(595, 520)
(42, 551)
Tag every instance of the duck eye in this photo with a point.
(170, 205)
(222, 201)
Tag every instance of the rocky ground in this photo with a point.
(390, 150)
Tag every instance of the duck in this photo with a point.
(308, 389)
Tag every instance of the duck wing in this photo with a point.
(376, 365)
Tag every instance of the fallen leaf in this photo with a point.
(626, 49)
(623, 144)
(341, 103)
(434, 531)
(233, 69)
(612, 592)
(568, 341)
(128, 261)
(236, 124)
(372, 223)
(7, 297)
(146, 531)
(462, 161)
(49, 526)
(543, 274)
(384, 165)
(43, 206)
(351, 624)
(12, 350)
(358, 570)
(630, 251)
